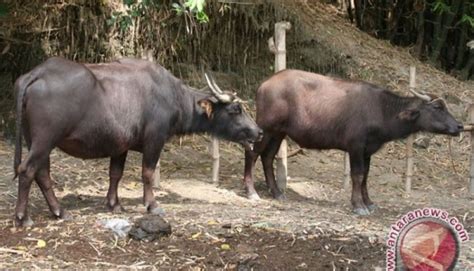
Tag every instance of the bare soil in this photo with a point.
(216, 227)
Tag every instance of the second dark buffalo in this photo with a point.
(320, 112)
(105, 110)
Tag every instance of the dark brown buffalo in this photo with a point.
(105, 110)
(320, 112)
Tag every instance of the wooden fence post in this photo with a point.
(148, 55)
(215, 159)
(277, 46)
(410, 140)
(471, 173)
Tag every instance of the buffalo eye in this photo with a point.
(235, 109)
(438, 106)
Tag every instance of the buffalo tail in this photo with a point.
(20, 89)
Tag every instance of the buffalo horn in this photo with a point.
(223, 97)
(421, 96)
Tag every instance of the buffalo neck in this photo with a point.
(393, 105)
(193, 120)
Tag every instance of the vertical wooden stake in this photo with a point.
(157, 175)
(215, 159)
(471, 173)
(278, 47)
(148, 55)
(411, 138)
(347, 171)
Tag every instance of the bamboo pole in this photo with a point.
(277, 46)
(471, 173)
(469, 127)
(347, 171)
(157, 175)
(215, 159)
(410, 140)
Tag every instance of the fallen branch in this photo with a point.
(15, 251)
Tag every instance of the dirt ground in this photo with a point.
(216, 227)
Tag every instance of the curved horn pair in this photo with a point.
(424, 97)
(218, 93)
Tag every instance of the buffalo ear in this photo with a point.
(206, 105)
(409, 114)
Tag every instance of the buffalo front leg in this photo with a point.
(43, 179)
(117, 164)
(150, 159)
(268, 156)
(357, 176)
(365, 194)
(251, 157)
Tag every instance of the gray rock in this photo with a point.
(150, 227)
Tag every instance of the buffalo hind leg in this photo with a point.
(43, 179)
(21, 211)
(251, 157)
(150, 158)
(268, 156)
(36, 158)
(365, 194)
(357, 176)
(117, 164)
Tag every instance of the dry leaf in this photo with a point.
(225, 246)
(22, 248)
(196, 235)
(41, 244)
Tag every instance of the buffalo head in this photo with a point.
(432, 115)
(227, 117)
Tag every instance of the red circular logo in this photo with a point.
(428, 245)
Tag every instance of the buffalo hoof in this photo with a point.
(24, 221)
(280, 197)
(361, 211)
(253, 196)
(116, 209)
(371, 207)
(65, 215)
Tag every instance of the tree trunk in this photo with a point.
(382, 19)
(442, 33)
(420, 38)
(358, 12)
(461, 48)
(398, 10)
(349, 11)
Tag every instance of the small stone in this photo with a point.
(261, 225)
(423, 142)
(303, 265)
